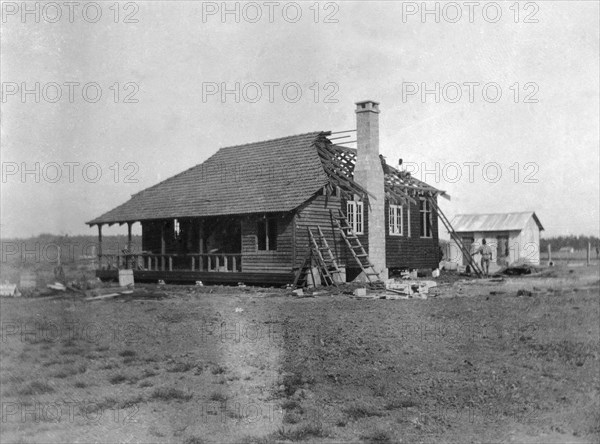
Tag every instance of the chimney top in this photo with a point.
(367, 105)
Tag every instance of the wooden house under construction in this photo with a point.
(272, 211)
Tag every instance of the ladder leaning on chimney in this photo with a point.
(455, 237)
(356, 249)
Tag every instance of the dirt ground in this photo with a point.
(488, 360)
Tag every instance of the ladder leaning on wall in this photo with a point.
(455, 237)
(318, 254)
(354, 245)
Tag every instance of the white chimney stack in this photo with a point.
(368, 172)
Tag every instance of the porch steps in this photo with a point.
(353, 242)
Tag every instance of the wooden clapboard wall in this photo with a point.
(255, 261)
(412, 251)
(313, 213)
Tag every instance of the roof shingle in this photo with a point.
(262, 177)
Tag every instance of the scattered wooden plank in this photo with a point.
(104, 296)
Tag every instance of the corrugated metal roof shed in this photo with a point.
(493, 222)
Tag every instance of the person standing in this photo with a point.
(486, 256)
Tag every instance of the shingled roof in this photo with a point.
(263, 177)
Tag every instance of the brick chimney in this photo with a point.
(368, 172)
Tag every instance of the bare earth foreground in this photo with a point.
(479, 361)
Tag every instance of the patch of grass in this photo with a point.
(400, 404)
(120, 379)
(181, 367)
(127, 353)
(290, 404)
(105, 404)
(357, 411)
(291, 418)
(147, 373)
(218, 370)
(568, 351)
(131, 401)
(93, 355)
(377, 437)
(36, 388)
(193, 440)
(7, 378)
(37, 340)
(172, 317)
(70, 343)
(65, 372)
(80, 384)
(72, 351)
(146, 384)
(234, 414)
(23, 356)
(292, 383)
(218, 396)
(257, 440)
(154, 431)
(108, 366)
(303, 432)
(109, 403)
(170, 393)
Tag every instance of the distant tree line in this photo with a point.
(46, 247)
(576, 242)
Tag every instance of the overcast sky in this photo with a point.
(545, 146)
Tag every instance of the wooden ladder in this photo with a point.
(300, 280)
(320, 253)
(325, 258)
(358, 252)
(455, 237)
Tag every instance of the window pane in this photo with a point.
(399, 219)
(359, 217)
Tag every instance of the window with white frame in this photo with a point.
(395, 224)
(176, 229)
(354, 214)
(425, 213)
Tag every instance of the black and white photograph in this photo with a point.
(262, 222)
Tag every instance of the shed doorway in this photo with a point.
(502, 255)
(468, 243)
